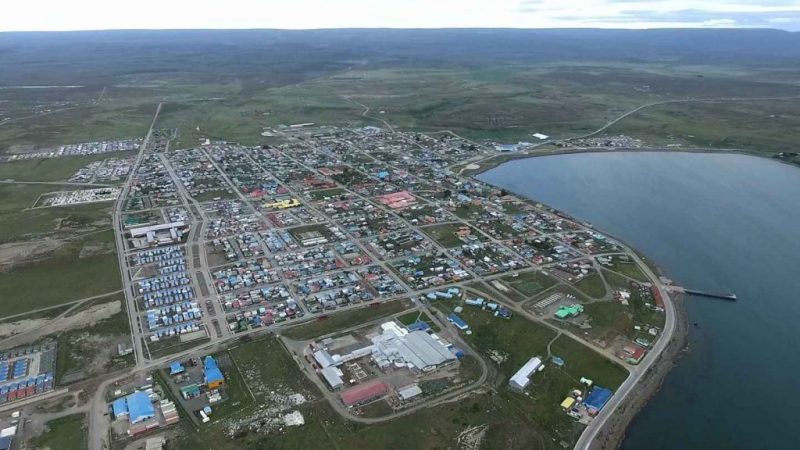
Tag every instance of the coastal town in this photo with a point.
(362, 261)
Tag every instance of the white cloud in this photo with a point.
(294, 14)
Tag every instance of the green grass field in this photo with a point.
(628, 269)
(52, 169)
(592, 285)
(445, 234)
(759, 126)
(62, 277)
(67, 433)
(122, 120)
(513, 342)
(528, 284)
(417, 316)
(17, 223)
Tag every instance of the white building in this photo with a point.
(416, 350)
(522, 378)
(333, 376)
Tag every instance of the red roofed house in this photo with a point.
(363, 392)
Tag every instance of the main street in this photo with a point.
(136, 331)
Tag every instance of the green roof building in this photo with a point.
(565, 312)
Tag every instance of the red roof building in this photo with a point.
(363, 392)
(657, 295)
(397, 200)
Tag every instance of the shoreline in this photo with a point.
(502, 158)
(614, 431)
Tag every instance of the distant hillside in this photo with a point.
(291, 56)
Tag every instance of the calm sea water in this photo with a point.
(728, 223)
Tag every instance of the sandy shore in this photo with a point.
(613, 433)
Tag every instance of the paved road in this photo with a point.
(596, 425)
(121, 253)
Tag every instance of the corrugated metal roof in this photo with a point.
(363, 392)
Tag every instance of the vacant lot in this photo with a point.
(528, 284)
(91, 350)
(67, 433)
(592, 285)
(445, 234)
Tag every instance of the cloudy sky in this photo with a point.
(111, 14)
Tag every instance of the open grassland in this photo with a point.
(767, 126)
(19, 223)
(527, 284)
(76, 125)
(629, 269)
(52, 169)
(501, 101)
(81, 268)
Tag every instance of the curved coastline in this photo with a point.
(502, 158)
(613, 428)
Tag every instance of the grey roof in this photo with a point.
(409, 392)
(332, 376)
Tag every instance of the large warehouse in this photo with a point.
(416, 350)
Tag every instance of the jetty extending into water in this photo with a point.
(731, 297)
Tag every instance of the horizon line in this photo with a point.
(689, 27)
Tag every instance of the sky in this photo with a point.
(51, 15)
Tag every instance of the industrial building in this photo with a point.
(155, 235)
(565, 312)
(363, 393)
(137, 407)
(333, 376)
(394, 348)
(522, 378)
(415, 350)
(211, 373)
(409, 392)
